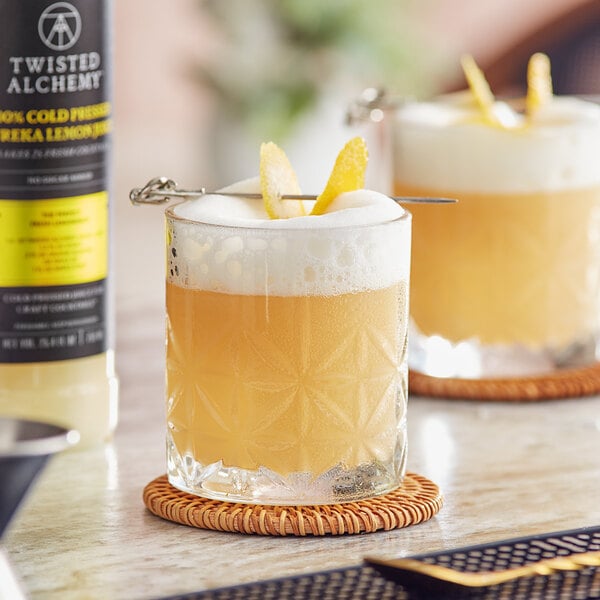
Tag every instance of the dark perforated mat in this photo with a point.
(364, 583)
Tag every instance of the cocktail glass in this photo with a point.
(286, 360)
(507, 281)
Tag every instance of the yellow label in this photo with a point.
(60, 241)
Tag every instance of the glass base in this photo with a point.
(470, 359)
(263, 486)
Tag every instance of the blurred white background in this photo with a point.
(165, 118)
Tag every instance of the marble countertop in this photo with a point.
(505, 470)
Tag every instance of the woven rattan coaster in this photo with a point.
(567, 383)
(415, 501)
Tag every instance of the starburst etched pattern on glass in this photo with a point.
(293, 398)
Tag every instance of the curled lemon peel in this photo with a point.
(348, 174)
(539, 83)
(277, 177)
(479, 87)
(496, 114)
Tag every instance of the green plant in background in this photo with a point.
(277, 57)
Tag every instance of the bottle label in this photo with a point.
(55, 134)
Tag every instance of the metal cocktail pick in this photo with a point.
(161, 189)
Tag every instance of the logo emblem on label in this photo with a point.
(59, 26)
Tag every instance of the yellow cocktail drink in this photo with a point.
(297, 384)
(286, 351)
(507, 281)
(488, 282)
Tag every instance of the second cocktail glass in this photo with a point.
(507, 282)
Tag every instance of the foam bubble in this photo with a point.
(444, 145)
(227, 244)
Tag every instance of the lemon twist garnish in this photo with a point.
(277, 177)
(480, 88)
(498, 114)
(348, 174)
(539, 83)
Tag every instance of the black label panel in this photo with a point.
(62, 322)
(55, 142)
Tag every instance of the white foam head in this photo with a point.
(361, 207)
(444, 145)
(227, 244)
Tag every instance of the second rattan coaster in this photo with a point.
(566, 383)
(417, 500)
